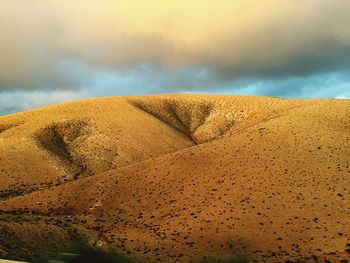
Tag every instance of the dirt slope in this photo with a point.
(181, 177)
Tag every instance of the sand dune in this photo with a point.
(179, 178)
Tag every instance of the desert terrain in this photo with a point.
(179, 178)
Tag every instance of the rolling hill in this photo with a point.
(179, 178)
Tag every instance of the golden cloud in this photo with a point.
(232, 37)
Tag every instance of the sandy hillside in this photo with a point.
(178, 178)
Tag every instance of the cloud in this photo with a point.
(135, 46)
(326, 85)
(149, 80)
(15, 101)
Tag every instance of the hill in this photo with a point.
(179, 178)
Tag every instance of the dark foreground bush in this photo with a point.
(81, 253)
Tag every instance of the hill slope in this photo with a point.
(175, 177)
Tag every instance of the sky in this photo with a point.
(55, 51)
